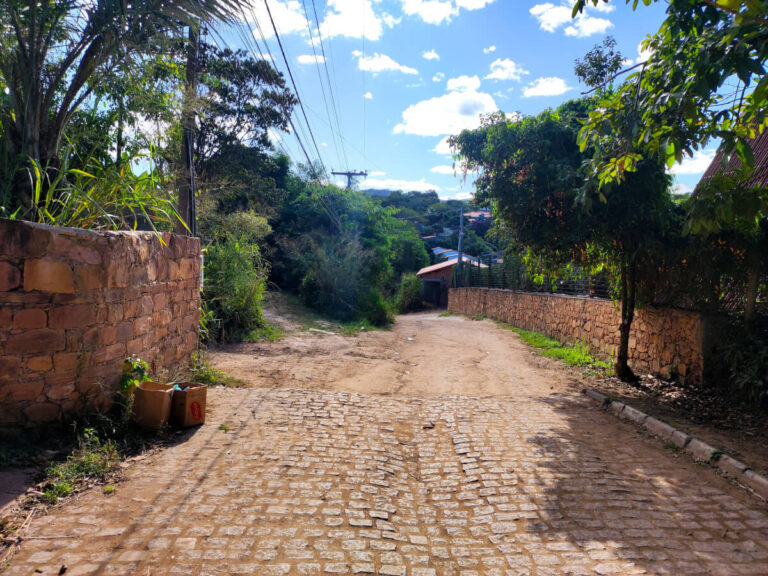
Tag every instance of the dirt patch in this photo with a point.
(421, 355)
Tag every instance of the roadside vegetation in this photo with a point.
(574, 355)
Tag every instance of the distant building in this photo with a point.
(436, 279)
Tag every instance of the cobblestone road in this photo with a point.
(310, 482)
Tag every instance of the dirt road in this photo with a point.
(440, 448)
(422, 355)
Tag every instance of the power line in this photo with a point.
(296, 90)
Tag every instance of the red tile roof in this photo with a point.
(760, 176)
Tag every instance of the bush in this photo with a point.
(409, 296)
(235, 280)
(742, 359)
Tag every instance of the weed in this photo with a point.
(109, 489)
(224, 427)
(93, 459)
(715, 455)
(201, 371)
(479, 317)
(135, 371)
(445, 315)
(671, 446)
(268, 332)
(577, 355)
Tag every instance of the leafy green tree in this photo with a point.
(705, 78)
(529, 171)
(50, 53)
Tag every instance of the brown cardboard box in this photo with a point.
(152, 405)
(188, 406)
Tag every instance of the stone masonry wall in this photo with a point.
(662, 339)
(75, 303)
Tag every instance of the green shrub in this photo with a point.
(235, 279)
(409, 296)
(742, 359)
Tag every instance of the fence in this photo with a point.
(488, 271)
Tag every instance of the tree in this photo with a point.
(51, 51)
(705, 78)
(530, 172)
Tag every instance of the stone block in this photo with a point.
(40, 363)
(9, 369)
(48, 276)
(659, 428)
(29, 319)
(602, 399)
(680, 439)
(756, 482)
(20, 391)
(616, 407)
(42, 412)
(115, 313)
(699, 450)
(36, 342)
(23, 239)
(90, 277)
(113, 352)
(58, 392)
(66, 361)
(6, 314)
(77, 316)
(10, 277)
(730, 466)
(633, 414)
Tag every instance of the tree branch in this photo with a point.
(613, 77)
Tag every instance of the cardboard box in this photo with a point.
(152, 405)
(188, 406)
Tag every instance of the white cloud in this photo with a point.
(447, 114)
(473, 4)
(311, 59)
(288, 16)
(463, 196)
(377, 173)
(324, 144)
(585, 26)
(506, 69)
(642, 56)
(696, 164)
(439, 77)
(443, 148)
(551, 17)
(389, 20)
(444, 169)
(368, 96)
(430, 55)
(353, 19)
(380, 63)
(395, 184)
(550, 86)
(489, 49)
(463, 84)
(430, 11)
(602, 7)
(680, 188)
(274, 136)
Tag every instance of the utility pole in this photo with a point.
(351, 176)
(460, 250)
(187, 207)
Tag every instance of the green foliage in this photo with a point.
(600, 63)
(343, 253)
(578, 355)
(202, 372)
(235, 279)
(742, 359)
(706, 78)
(135, 371)
(409, 296)
(93, 459)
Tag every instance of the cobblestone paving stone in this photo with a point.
(316, 483)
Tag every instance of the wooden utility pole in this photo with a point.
(351, 176)
(187, 209)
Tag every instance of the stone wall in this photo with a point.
(662, 340)
(75, 303)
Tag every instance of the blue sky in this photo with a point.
(405, 74)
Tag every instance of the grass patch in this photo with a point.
(479, 317)
(93, 460)
(445, 315)
(572, 355)
(203, 373)
(268, 332)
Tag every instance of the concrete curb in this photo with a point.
(697, 449)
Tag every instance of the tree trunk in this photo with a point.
(628, 285)
(187, 179)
